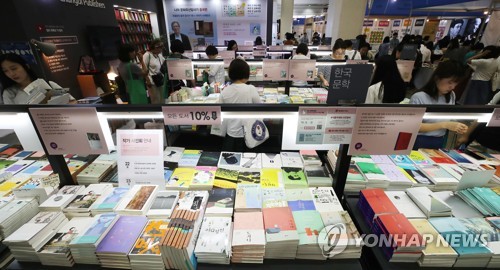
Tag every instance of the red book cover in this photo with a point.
(379, 202)
(438, 156)
(403, 232)
(117, 14)
(403, 141)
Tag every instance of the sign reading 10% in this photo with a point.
(192, 115)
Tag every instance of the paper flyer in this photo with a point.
(311, 125)
(275, 69)
(180, 69)
(339, 125)
(302, 69)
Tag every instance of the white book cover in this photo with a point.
(110, 158)
(438, 175)
(325, 199)
(33, 227)
(298, 194)
(4, 201)
(270, 160)
(291, 159)
(138, 199)
(13, 207)
(84, 200)
(59, 243)
(251, 161)
(173, 154)
(249, 238)
(63, 197)
(214, 236)
(230, 160)
(163, 203)
(405, 205)
(459, 207)
(274, 197)
(427, 201)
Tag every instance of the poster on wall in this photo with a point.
(20, 48)
(419, 22)
(457, 28)
(219, 21)
(472, 28)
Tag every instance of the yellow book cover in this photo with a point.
(438, 244)
(407, 175)
(270, 178)
(149, 241)
(181, 178)
(419, 158)
(226, 178)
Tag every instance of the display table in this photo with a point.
(268, 264)
(373, 256)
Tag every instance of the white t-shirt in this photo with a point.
(350, 53)
(238, 93)
(16, 95)
(216, 73)
(304, 57)
(483, 69)
(373, 95)
(426, 54)
(153, 63)
(423, 98)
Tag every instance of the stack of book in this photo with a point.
(299, 199)
(325, 199)
(483, 199)
(431, 205)
(374, 175)
(459, 208)
(94, 173)
(214, 242)
(406, 244)
(494, 245)
(249, 240)
(80, 206)
(62, 198)
(441, 178)
(84, 245)
(271, 178)
(208, 159)
(271, 160)
(37, 169)
(15, 213)
(251, 161)
(355, 180)
(114, 248)
(189, 158)
(220, 202)
(310, 158)
(309, 224)
(318, 176)
(172, 155)
(471, 251)
(146, 251)
(56, 251)
(29, 238)
(203, 178)
(177, 246)
(137, 201)
(181, 178)
(249, 177)
(291, 160)
(163, 204)
(436, 253)
(248, 198)
(12, 183)
(294, 177)
(351, 240)
(106, 204)
(405, 204)
(226, 178)
(374, 202)
(274, 197)
(230, 160)
(282, 238)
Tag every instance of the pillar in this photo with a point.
(345, 18)
(286, 17)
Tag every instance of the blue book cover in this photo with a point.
(94, 232)
(301, 205)
(113, 198)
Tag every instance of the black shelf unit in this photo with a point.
(135, 27)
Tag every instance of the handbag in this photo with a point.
(157, 78)
(136, 89)
(255, 132)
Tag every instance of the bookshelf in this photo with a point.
(135, 27)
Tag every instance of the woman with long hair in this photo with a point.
(387, 85)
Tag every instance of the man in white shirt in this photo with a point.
(349, 52)
(426, 54)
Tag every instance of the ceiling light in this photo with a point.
(485, 13)
(129, 8)
(115, 6)
(140, 10)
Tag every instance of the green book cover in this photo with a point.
(294, 177)
(309, 224)
(249, 177)
(5, 163)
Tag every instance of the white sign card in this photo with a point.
(180, 69)
(275, 69)
(495, 119)
(72, 130)
(339, 125)
(259, 53)
(311, 125)
(140, 157)
(245, 48)
(275, 48)
(385, 131)
(302, 69)
(191, 115)
(24, 129)
(227, 54)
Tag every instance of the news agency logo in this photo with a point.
(333, 239)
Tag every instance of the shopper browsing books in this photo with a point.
(129, 72)
(153, 60)
(237, 92)
(439, 90)
(387, 86)
(215, 72)
(301, 53)
(21, 84)
(338, 53)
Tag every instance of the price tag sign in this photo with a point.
(191, 115)
(495, 119)
(51, 181)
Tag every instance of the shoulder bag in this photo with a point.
(136, 89)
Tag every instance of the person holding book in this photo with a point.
(439, 90)
(216, 73)
(237, 92)
(16, 75)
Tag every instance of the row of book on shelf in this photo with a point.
(435, 229)
(144, 226)
(438, 169)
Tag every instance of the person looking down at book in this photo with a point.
(237, 92)
(439, 91)
(387, 85)
(216, 73)
(338, 53)
(21, 84)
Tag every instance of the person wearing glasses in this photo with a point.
(338, 53)
(177, 35)
(153, 60)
